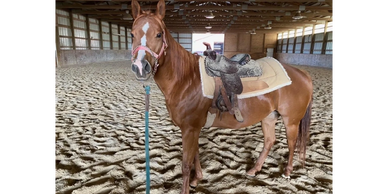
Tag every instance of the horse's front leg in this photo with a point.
(198, 171)
(190, 138)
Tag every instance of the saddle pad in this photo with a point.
(274, 77)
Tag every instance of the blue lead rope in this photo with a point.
(147, 104)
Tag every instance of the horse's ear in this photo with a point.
(161, 9)
(135, 9)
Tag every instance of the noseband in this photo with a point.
(154, 54)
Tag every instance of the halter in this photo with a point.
(154, 54)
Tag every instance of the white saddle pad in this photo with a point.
(274, 77)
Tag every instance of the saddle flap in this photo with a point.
(254, 85)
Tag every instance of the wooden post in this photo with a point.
(58, 46)
(312, 40)
(126, 38)
(88, 32)
(303, 37)
(264, 48)
(325, 37)
(72, 28)
(100, 33)
(293, 45)
(119, 37)
(287, 40)
(110, 36)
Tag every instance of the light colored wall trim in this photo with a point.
(83, 57)
(316, 60)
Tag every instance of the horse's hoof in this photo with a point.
(193, 187)
(249, 175)
(286, 177)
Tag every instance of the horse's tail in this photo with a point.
(304, 133)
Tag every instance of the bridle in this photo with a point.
(154, 54)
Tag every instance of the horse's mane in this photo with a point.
(183, 62)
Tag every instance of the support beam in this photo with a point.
(110, 36)
(72, 28)
(119, 37)
(100, 33)
(237, 1)
(194, 7)
(120, 13)
(88, 33)
(325, 37)
(126, 38)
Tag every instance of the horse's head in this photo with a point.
(148, 40)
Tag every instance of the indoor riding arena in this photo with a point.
(100, 113)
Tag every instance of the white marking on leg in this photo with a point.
(286, 177)
(273, 115)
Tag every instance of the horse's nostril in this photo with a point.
(147, 68)
(134, 68)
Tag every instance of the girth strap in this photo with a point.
(226, 100)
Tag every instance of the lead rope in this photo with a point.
(147, 154)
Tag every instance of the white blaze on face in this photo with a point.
(144, 38)
(141, 53)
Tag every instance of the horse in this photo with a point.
(176, 73)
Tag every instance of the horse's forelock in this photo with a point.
(149, 15)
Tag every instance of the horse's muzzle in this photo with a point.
(143, 73)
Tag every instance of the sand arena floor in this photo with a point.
(99, 139)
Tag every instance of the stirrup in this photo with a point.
(238, 115)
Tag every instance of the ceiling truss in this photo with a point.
(230, 16)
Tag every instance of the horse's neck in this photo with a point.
(177, 70)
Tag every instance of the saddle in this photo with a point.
(227, 74)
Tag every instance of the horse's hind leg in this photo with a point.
(268, 126)
(292, 135)
(198, 171)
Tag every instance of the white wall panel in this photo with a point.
(63, 31)
(63, 21)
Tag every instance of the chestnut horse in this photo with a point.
(176, 72)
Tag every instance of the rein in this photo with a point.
(147, 154)
(154, 54)
(147, 88)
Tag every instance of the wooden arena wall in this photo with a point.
(83, 40)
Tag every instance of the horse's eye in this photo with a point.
(132, 35)
(159, 35)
